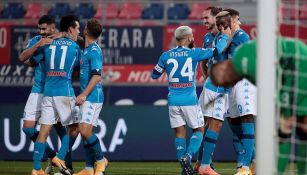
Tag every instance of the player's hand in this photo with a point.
(80, 99)
(44, 41)
(226, 31)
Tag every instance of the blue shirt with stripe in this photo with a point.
(180, 66)
(221, 57)
(91, 63)
(60, 58)
(239, 38)
(39, 69)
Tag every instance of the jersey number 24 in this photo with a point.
(186, 70)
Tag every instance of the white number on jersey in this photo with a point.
(63, 57)
(186, 71)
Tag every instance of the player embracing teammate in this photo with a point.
(57, 57)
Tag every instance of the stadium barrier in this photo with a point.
(126, 133)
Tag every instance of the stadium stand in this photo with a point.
(178, 11)
(111, 11)
(130, 11)
(84, 10)
(196, 10)
(13, 11)
(153, 11)
(59, 9)
(34, 11)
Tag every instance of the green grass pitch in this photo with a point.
(117, 168)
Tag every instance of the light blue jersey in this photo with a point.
(208, 40)
(239, 38)
(221, 57)
(180, 65)
(91, 64)
(60, 57)
(39, 70)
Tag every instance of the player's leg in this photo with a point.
(194, 119)
(178, 123)
(235, 126)
(216, 110)
(245, 98)
(46, 120)
(201, 103)
(93, 152)
(284, 133)
(301, 131)
(65, 107)
(61, 131)
(234, 121)
(32, 113)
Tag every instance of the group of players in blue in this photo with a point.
(206, 115)
(52, 102)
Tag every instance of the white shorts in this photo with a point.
(182, 115)
(32, 111)
(213, 104)
(242, 99)
(89, 112)
(59, 108)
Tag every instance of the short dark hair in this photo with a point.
(94, 28)
(214, 10)
(46, 19)
(68, 21)
(233, 12)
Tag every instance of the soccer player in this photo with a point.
(242, 105)
(213, 102)
(91, 98)
(180, 64)
(209, 20)
(292, 52)
(32, 112)
(58, 103)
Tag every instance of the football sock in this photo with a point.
(180, 146)
(93, 143)
(195, 142)
(284, 151)
(32, 133)
(89, 155)
(236, 134)
(67, 143)
(248, 140)
(39, 149)
(209, 146)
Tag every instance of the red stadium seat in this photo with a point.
(34, 11)
(130, 11)
(99, 10)
(111, 11)
(197, 10)
(303, 14)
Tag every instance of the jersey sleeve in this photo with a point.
(31, 42)
(159, 68)
(244, 60)
(95, 61)
(38, 56)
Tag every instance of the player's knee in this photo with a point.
(73, 130)
(85, 133)
(215, 125)
(301, 133)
